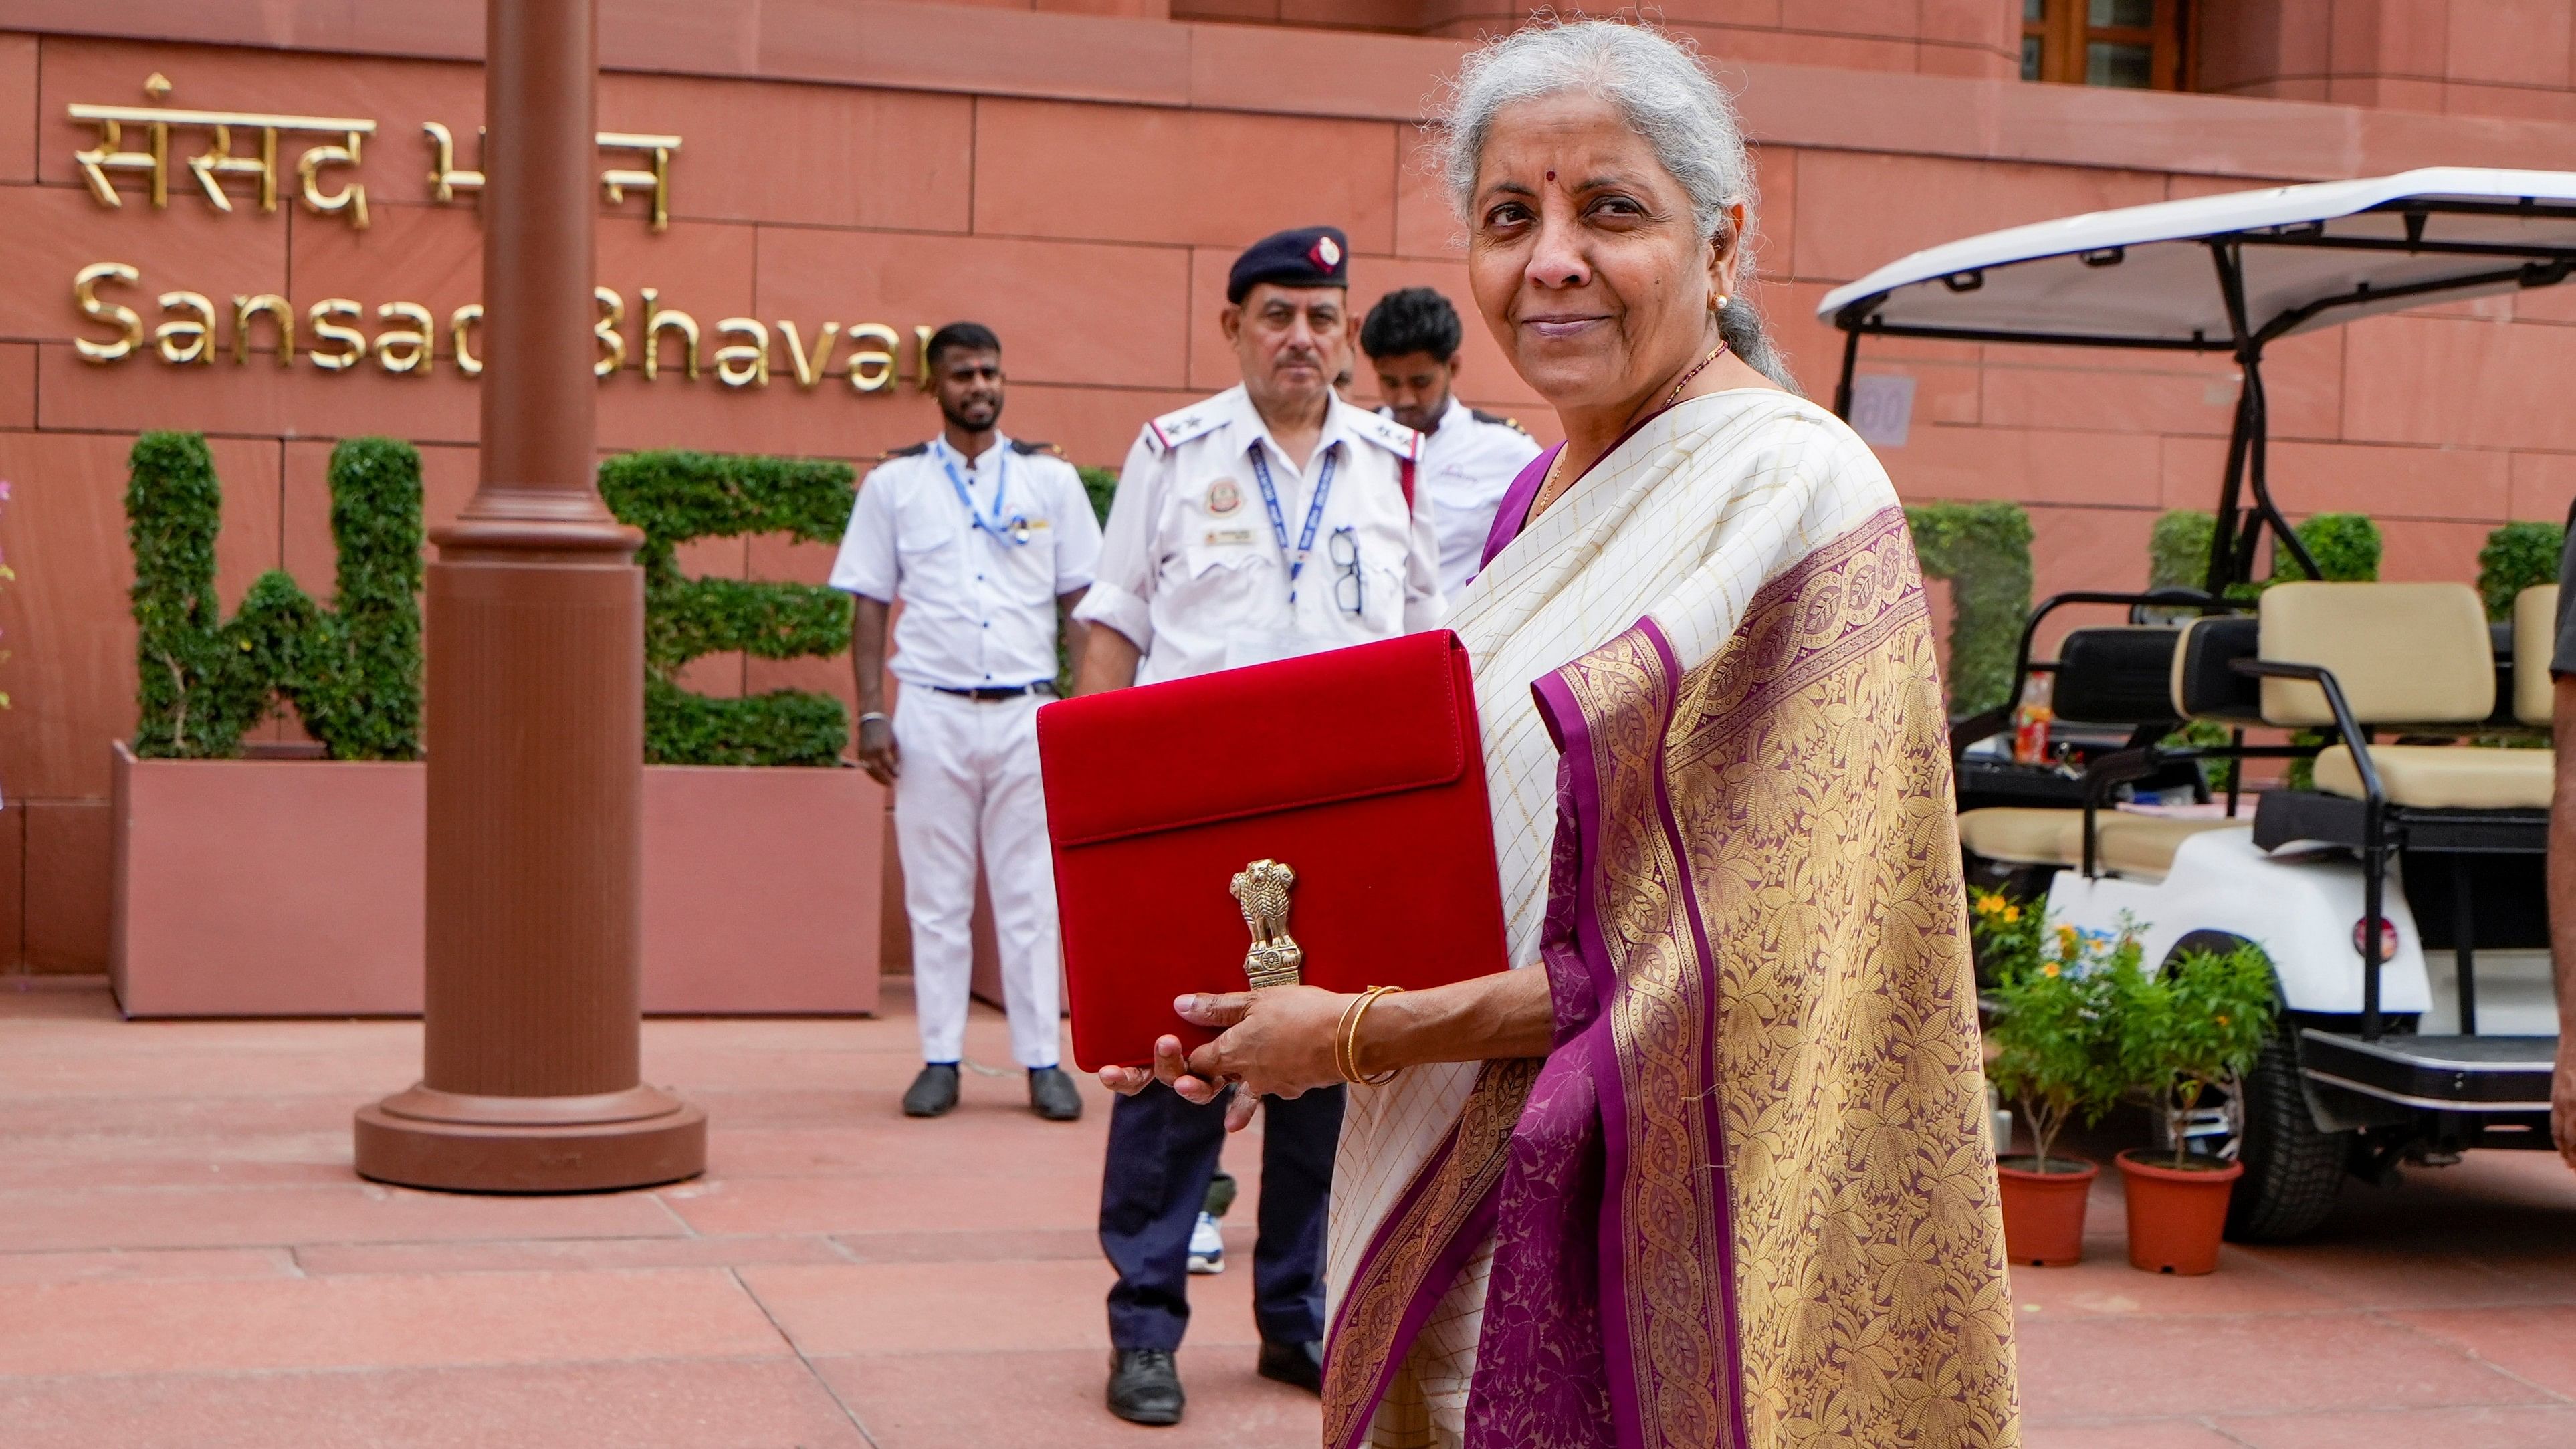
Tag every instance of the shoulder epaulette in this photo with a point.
(1195, 421)
(1498, 420)
(915, 451)
(1024, 447)
(1387, 433)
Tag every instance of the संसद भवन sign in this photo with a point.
(236, 156)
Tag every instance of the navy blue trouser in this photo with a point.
(1162, 1151)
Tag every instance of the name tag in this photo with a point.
(1220, 536)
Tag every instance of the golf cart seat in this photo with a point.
(2413, 656)
(2411, 660)
(2124, 843)
(2105, 675)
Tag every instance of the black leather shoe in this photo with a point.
(1144, 1386)
(1052, 1095)
(933, 1092)
(1301, 1364)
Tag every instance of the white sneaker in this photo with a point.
(1207, 1247)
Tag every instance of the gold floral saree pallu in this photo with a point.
(1748, 1199)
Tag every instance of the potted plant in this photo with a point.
(2197, 1025)
(2051, 1059)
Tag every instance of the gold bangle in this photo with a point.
(1347, 1054)
(1342, 1036)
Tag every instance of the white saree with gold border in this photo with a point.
(1748, 1199)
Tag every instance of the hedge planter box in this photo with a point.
(293, 888)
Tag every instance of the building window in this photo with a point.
(2136, 44)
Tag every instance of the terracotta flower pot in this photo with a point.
(2175, 1214)
(2044, 1211)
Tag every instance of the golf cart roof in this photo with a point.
(2308, 256)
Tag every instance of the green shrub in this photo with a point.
(675, 497)
(352, 672)
(2345, 546)
(2178, 549)
(2516, 557)
(1102, 485)
(2053, 1054)
(2199, 1024)
(1983, 549)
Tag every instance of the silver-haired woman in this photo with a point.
(1717, 1172)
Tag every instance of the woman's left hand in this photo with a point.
(1278, 1042)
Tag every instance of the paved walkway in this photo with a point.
(186, 1260)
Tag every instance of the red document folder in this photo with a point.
(1359, 769)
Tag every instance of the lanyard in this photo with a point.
(1279, 521)
(1007, 530)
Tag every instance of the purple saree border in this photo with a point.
(1572, 731)
(1472, 1232)
(1426, 1295)
(1712, 1107)
(1513, 511)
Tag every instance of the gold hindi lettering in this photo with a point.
(240, 148)
(217, 165)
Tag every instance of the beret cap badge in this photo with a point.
(1306, 256)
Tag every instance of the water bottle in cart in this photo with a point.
(2030, 721)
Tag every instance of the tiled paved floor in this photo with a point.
(185, 1260)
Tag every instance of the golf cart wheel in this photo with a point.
(2293, 1169)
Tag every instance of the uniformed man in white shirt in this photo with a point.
(986, 540)
(1271, 520)
(1468, 457)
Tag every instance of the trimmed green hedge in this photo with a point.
(2516, 557)
(678, 496)
(2346, 546)
(1983, 549)
(1102, 485)
(351, 671)
(2178, 549)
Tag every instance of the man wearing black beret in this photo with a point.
(1271, 520)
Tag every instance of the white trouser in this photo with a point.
(969, 774)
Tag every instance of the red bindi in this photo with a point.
(1551, 176)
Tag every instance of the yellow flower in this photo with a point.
(2048, 970)
(2011, 914)
(2222, 1020)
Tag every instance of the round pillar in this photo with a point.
(536, 710)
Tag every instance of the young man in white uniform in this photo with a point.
(986, 541)
(1468, 457)
(1271, 520)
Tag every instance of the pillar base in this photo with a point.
(640, 1137)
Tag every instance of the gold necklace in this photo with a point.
(1713, 354)
(1547, 485)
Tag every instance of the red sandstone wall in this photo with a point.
(1936, 37)
(1080, 182)
(2459, 57)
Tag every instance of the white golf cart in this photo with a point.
(2431, 1032)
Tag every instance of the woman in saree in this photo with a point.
(1711, 1168)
